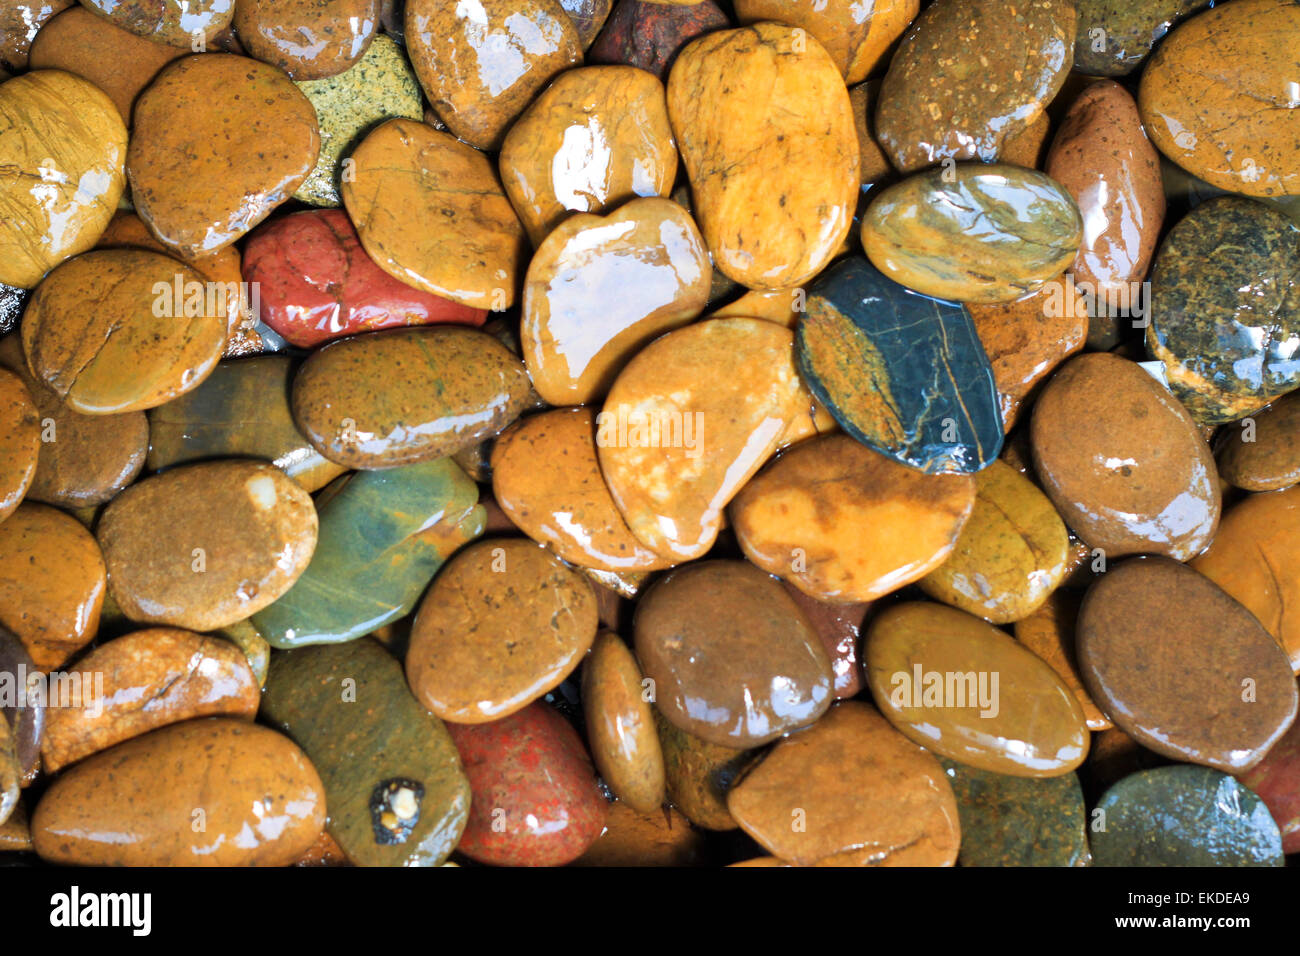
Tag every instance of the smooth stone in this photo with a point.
(1115, 36)
(843, 523)
(20, 442)
(52, 582)
(1049, 633)
(316, 283)
(23, 708)
(262, 802)
(857, 36)
(98, 333)
(1018, 821)
(383, 536)
(535, 798)
(482, 65)
(406, 176)
(380, 86)
(119, 63)
(1108, 166)
(403, 396)
(1010, 555)
(698, 774)
(56, 122)
(968, 75)
(864, 794)
(931, 669)
(238, 535)
(600, 288)
(1263, 453)
(546, 478)
(1255, 557)
(308, 39)
(778, 306)
(254, 647)
(595, 138)
(1184, 816)
(1183, 668)
(974, 232)
(649, 35)
(394, 785)
(733, 659)
(1276, 780)
(504, 623)
(219, 142)
(901, 372)
(620, 725)
(1225, 308)
(1122, 460)
(150, 679)
(179, 23)
(774, 104)
(661, 837)
(20, 21)
(728, 386)
(1027, 147)
(90, 458)
(1210, 122)
(588, 17)
(840, 628)
(240, 411)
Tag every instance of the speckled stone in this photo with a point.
(1115, 36)
(20, 21)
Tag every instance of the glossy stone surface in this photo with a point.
(134, 805)
(1115, 36)
(649, 34)
(932, 669)
(840, 628)
(901, 372)
(383, 536)
(844, 523)
(20, 441)
(172, 22)
(588, 17)
(698, 774)
(1262, 453)
(1274, 779)
(1183, 668)
(20, 21)
(407, 176)
(1185, 816)
(620, 725)
(864, 794)
(66, 124)
(1225, 308)
(394, 785)
(219, 142)
(766, 132)
(1122, 461)
(968, 75)
(1050, 633)
(733, 659)
(307, 39)
(857, 36)
(24, 709)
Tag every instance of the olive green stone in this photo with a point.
(698, 775)
(1114, 36)
(247, 638)
(383, 536)
(1184, 816)
(1018, 821)
(240, 411)
(380, 86)
(394, 785)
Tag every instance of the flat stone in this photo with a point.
(620, 725)
(1049, 633)
(307, 39)
(1263, 454)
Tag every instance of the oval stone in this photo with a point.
(967, 691)
(481, 65)
(599, 288)
(1183, 668)
(596, 137)
(1049, 633)
(733, 659)
(698, 774)
(67, 127)
(844, 523)
(1210, 122)
(649, 34)
(772, 102)
(901, 372)
(968, 75)
(171, 22)
(1122, 460)
(263, 803)
(535, 798)
(407, 395)
(1276, 780)
(407, 177)
(504, 623)
(1264, 454)
(1115, 36)
(146, 680)
(20, 441)
(1225, 308)
(620, 725)
(238, 534)
(856, 35)
(870, 797)
(24, 709)
(1185, 816)
(219, 142)
(307, 39)
(974, 232)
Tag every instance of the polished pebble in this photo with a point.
(1049, 633)
(308, 39)
(1261, 452)
(620, 725)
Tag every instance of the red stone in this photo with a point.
(1276, 779)
(650, 35)
(316, 283)
(530, 775)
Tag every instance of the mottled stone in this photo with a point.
(1115, 36)
(588, 17)
(698, 774)
(840, 628)
(20, 21)
(649, 34)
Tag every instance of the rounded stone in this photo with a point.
(1115, 36)
(24, 713)
(20, 441)
(698, 774)
(20, 21)
(171, 22)
(620, 725)
(1049, 633)
(649, 34)
(308, 39)
(1263, 453)
(1275, 780)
